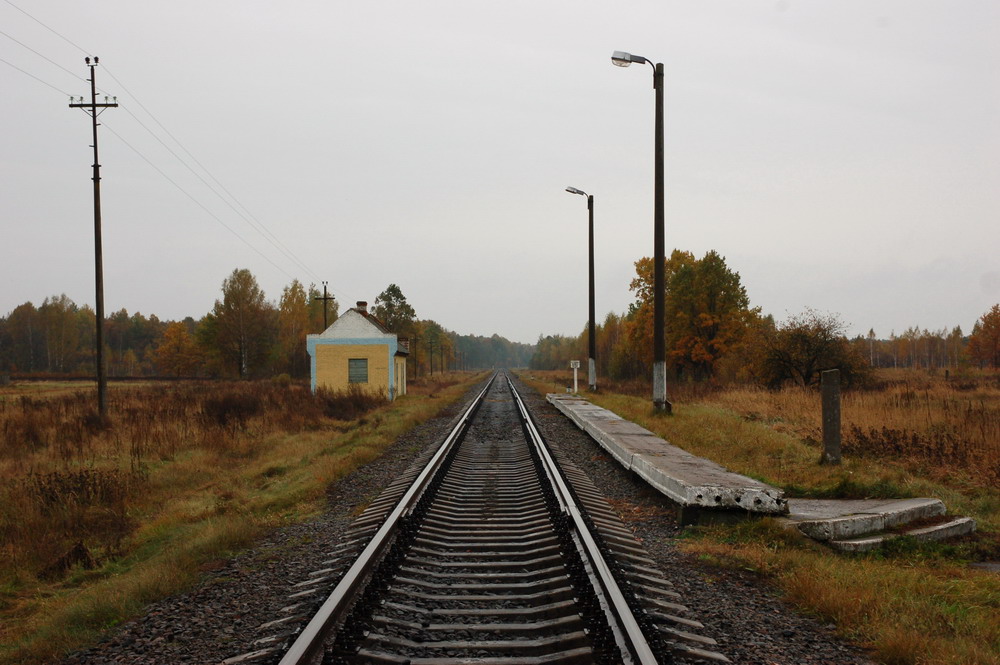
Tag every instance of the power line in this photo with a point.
(248, 216)
(197, 202)
(77, 46)
(10, 64)
(261, 228)
(40, 55)
(287, 253)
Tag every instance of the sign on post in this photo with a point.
(575, 364)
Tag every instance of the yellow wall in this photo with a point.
(331, 366)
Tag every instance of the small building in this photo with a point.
(358, 350)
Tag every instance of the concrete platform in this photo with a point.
(688, 480)
(696, 484)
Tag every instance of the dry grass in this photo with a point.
(944, 428)
(911, 604)
(907, 611)
(98, 519)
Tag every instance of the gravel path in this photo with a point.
(220, 617)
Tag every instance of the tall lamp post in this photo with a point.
(592, 345)
(660, 401)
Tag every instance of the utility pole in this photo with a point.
(414, 338)
(325, 300)
(92, 110)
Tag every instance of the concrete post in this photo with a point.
(830, 388)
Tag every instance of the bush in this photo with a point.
(806, 345)
(348, 404)
(231, 410)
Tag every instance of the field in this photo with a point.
(98, 518)
(912, 434)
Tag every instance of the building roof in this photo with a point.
(356, 324)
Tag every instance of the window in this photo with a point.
(357, 370)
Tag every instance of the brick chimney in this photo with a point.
(362, 307)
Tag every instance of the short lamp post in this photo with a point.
(592, 341)
(660, 401)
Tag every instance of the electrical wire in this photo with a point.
(248, 216)
(40, 55)
(77, 46)
(10, 64)
(195, 200)
(259, 227)
(287, 253)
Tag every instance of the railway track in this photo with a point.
(489, 550)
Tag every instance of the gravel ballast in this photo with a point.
(220, 617)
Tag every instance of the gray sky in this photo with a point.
(841, 155)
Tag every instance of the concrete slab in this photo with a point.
(688, 480)
(839, 519)
(950, 529)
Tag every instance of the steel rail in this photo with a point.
(634, 643)
(310, 641)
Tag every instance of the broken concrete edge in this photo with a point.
(861, 523)
(743, 494)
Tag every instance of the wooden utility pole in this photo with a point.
(325, 300)
(92, 109)
(830, 390)
(414, 338)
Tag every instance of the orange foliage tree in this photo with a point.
(178, 353)
(984, 344)
(707, 312)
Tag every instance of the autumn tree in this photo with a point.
(243, 325)
(293, 323)
(393, 311)
(984, 344)
(805, 345)
(554, 351)
(706, 311)
(24, 330)
(177, 353)
(59, 322)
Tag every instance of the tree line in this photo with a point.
(244, 335)
(434, 348)
(713, 333)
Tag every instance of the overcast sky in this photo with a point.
(842, 155)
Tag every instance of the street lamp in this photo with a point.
(660, 401)
(592, 346)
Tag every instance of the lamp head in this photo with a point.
(574, 190)
(623, 59)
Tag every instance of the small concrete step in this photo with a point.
(840, 519)
(958, 526)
